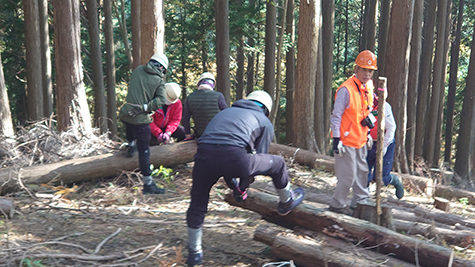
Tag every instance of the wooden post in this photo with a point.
(382, 93)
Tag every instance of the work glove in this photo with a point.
(189, 137)
(338, 147)
(164, 137)
(369, 143)
(137, 109)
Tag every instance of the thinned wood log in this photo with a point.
(6, 208)
(304, 157)
(462, 238)
(88, 168)
(321, 250)
(318, 218)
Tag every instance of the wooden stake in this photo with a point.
(382, 81)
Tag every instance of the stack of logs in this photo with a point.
(324, 238)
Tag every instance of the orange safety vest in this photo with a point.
(352, 133)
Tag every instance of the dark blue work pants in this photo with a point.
(215, 161)
(387, 163)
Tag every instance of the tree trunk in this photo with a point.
(135, 18)
(397, 57)
(289, 73)
(316, 218)
(121, 17)
(204, 45)
(110, 70)
(6, 125)
(223, 82)
(425, 77)
(319, 115)
(45, 58)
(151, 29)
(34, 81)
(328, 26)
(72, 108)
(436, 88)
(240, 69)
(454, 61)
(317, 249)
(100, 114)
(269, 59)
(369, 32)
(414, 67)
(307, 47)
(383, 36)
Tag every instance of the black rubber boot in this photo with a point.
(398, 185)
(152, 189)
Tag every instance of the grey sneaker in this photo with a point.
(297, 198)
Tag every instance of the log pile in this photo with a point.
(316, 217)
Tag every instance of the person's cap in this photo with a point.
(172, 93)
(160, 58)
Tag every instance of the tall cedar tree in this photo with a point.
(397, 57)
(110, 69)
(223, 82)
(72, 108)
(307, 47)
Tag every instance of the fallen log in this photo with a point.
(317, 250)
(88, 168)
(6, 208)
(304, 157)
(315, 217)
(462, 238)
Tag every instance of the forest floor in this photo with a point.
(111, 223)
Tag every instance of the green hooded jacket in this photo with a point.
(146, 87)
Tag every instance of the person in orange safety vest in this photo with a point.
(351, 121)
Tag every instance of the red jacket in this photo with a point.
(166, 122)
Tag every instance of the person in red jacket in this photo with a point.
(166, 120)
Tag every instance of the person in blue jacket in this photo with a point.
(235, 145)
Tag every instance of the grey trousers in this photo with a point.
(351, 169)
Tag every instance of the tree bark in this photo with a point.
(383, 36)
(316, 218)
(307, 47)
(121, 17)
(289, 73)
(269, 59)
(318, 105)
(72, 108)
(6, 124)
(34, 81)
(436, 86)
(240, 69)
(110, 70)
(223, 82)
(46, 70)
(135, 18)
(100, 114)
(397, 57)
(151, 29)
(328, 27)
(425, 77)
(320, 250)
(466, 140)
(454, 61)
(414, 67)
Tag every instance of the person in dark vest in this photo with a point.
(388, 149)
(202, 105)
(236, 144)
(146, 92)
(166, 120)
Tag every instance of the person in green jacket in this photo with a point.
(146, 93)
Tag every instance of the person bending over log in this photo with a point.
(235, 144)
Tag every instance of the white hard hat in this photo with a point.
(173, 92)
(206, 75)
(161, 58)
(262, 97)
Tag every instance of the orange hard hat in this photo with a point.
(366, 59)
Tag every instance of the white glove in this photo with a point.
(369, 143)
(341, 148)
